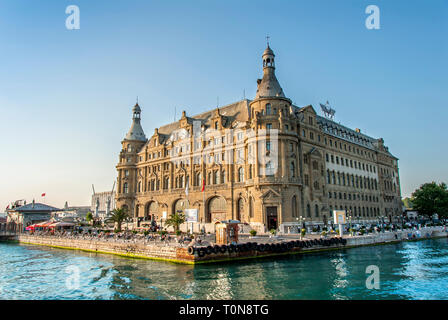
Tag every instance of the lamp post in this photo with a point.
(349, 221)
(301, 225)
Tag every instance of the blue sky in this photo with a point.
(66, 95)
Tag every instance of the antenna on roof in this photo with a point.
(327, 111)
(244, 94)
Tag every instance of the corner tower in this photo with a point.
(134, 140)
(270, 103)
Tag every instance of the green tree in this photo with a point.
(175, 220)
(118, 215)
(89, 216)
(431, 198)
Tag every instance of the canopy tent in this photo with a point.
(61, 224)
(44, 224)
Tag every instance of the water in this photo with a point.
(410, 270)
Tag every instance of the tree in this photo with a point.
(175, 220)
(89, 216)
(431, 198)
(118, 215)
(408, 203)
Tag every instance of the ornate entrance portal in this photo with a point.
(272, 221)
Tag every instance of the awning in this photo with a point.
(43, 224)
(61, 224)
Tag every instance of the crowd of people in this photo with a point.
(123, 237)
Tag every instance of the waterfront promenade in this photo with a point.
(205, 251)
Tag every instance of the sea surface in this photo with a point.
(409, 270)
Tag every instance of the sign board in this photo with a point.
(164, 215)
(339, 216)
(191, 215)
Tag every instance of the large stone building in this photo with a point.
(265, 162)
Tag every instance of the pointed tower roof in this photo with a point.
(269, 85)
(136, 132)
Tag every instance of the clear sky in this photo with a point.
(66, 95)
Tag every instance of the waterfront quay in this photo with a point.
(206, 251)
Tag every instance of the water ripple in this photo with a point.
(411, 270)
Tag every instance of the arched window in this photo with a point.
(241, 174)
(292, 169)
(166, 183)
(268, 109)
(215, 177)
(251, 207)
(294, 206)
(316, 210)
(308, 211)
(125, 188)
(140, 187)
(223, 176)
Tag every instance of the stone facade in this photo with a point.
(265, 162)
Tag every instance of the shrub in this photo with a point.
(253, 233)
(272, 231)
(303, 232)
(178, 233)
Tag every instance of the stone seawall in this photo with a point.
(180, 254)
(128, 249)
(379, 238)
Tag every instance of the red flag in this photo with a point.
(203, 185)
(43, 194)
